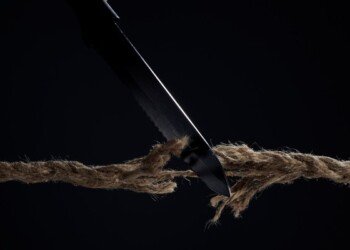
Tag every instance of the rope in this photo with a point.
(249, 170)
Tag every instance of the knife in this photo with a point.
(101, 30)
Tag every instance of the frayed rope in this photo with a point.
(252, 172)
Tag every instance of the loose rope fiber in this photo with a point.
(250, 172)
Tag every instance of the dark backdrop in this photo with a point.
(273, 74)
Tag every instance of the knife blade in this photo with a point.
(101, 30)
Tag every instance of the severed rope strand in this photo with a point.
(252, 170)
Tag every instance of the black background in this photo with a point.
(273, 74)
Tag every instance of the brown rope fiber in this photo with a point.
(252, 171)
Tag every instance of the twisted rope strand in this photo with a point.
(251, 172)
